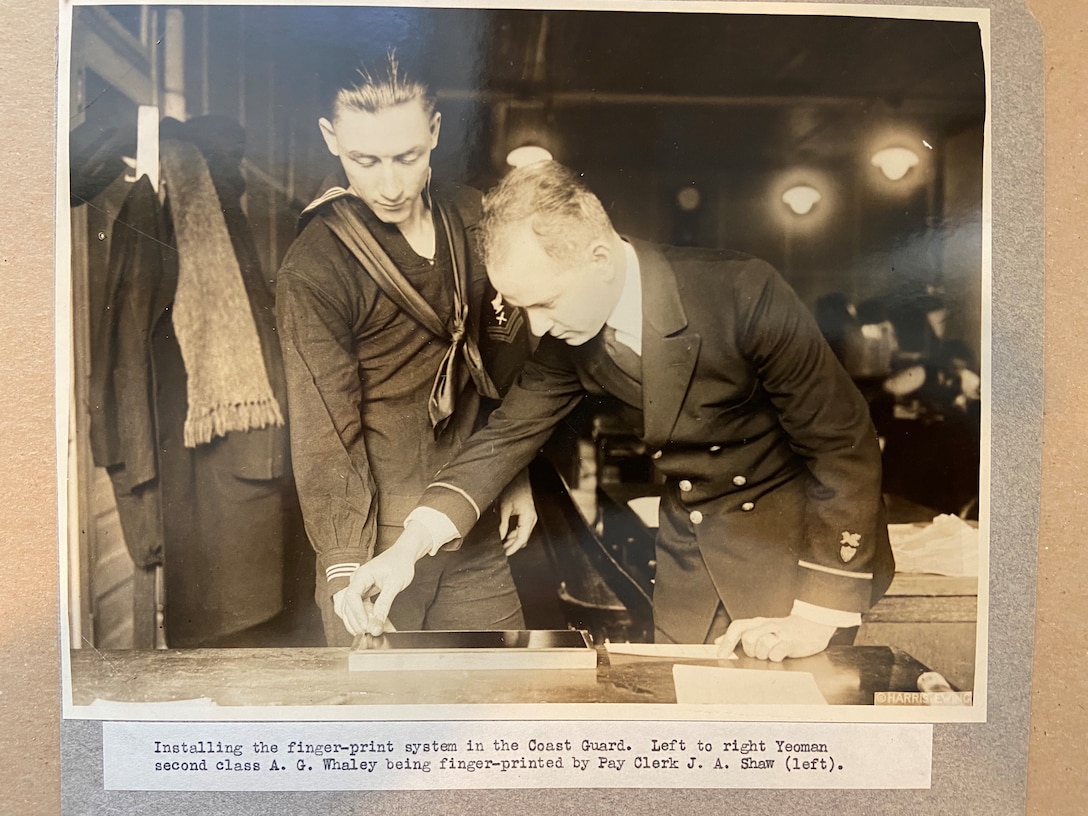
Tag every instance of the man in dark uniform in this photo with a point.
(393, 343)
(772, 529)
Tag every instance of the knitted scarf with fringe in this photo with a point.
(228, 387)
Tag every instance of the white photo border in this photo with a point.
(67, 521)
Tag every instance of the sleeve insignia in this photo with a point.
(849, 545)
(504, 325)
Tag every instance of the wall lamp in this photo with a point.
(895, 162)
(801, 198)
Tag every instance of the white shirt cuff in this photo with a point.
(826, 616)
(435, 522)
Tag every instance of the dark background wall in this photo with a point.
(644, 104)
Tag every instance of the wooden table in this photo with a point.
(846, 675)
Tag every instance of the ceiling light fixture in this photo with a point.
(527, 154)
(801, 198)
(895, 162)
(689, 198)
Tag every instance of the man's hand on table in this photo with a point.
(776, 638)
(516, 500)
(386, 575)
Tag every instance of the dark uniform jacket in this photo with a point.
(360, 370)
(772, 463)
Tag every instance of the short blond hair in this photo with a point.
(565, 216)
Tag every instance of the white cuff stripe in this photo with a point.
(340, 571)
(461, 493)
(865, 576)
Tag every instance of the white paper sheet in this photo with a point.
(646, 508)
(710, 685)
(676, 651)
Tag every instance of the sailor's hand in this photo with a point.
(386, 576)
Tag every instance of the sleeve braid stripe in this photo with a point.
(865, 576)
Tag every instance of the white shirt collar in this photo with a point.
(626, 317)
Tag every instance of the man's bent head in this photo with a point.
(551, 249)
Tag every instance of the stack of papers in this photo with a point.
(946, 546)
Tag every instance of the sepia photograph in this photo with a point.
(602, 362)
